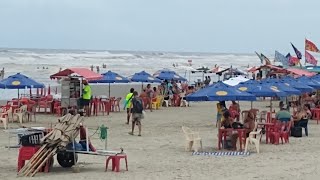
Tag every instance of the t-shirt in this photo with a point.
(129, 100)
(137, 106)
(86, 92)
(283, 114)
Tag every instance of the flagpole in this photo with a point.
(305, 62)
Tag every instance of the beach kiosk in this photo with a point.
(71, 84)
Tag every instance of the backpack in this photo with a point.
(137, 105)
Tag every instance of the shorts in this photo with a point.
(136, 117)
(284, 119)
(129, 110)
(219, 116)
(84, 102)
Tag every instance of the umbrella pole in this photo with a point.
(271, 105)
(109, 90)
(18, 93)
(251, 104)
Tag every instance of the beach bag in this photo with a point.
(296, 131)
(237, 125)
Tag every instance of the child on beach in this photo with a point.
(220, 110)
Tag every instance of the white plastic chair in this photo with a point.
(4, 120)
(193, 139)
(184, 103)
(166, 103)
(20, 113)
(254, 138)
(262, 116)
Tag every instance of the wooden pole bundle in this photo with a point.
(61, 135)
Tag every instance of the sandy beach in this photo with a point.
(159, 153)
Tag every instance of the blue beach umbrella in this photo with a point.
(111, 77)
(261, 89)
(297, 85)
(19, 81)
(168, 75)
(309, 82)
(283, 87)
(220, 92)
(144, 77)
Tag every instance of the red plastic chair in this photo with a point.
(285, 132)
(274, 134)
(316, 114)
(116, 162)
(26, 152)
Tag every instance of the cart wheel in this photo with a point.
(66, 159)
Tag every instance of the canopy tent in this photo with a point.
(19, 81)
(77, 72)
(111, 77)
(168, 75)
(235, 81)
(220, 92)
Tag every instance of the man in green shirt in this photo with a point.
(283, 115)
(86, 97)
(128, 104)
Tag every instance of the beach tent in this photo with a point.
(220, 92)
(111, 77)
(235, 81)
(19, 81)
(168, 75)
(77, 72)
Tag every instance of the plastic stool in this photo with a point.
(116, 162)
(26, 153)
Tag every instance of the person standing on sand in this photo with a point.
(149, 92)
(137, 115)
(128, 104)
(86, 97)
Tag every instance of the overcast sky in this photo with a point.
(160, 25)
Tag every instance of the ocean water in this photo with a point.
(40, 64)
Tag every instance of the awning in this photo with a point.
(77, 72)
(300, 72)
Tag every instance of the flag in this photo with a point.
(293, 61)
(268, 62)
(310, 46)
(298, 53)
(278, 57)
(310, 59)
(261, 59)
(288, 55)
